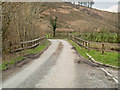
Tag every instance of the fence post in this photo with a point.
(34, 42)
(22, 45)
(10, 47)
(103, 47)
(83, 43)
(31, 43)
(88, 46)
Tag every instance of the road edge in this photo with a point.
(16, 67)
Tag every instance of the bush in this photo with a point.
(98, 37)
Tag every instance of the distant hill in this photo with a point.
(78, 18)
(25, 21)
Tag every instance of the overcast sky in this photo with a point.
(107, 5)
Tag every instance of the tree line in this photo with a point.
(86, 3)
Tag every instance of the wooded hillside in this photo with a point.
(27, 21)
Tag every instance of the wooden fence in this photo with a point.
(18, 46)
(81, 42)
(85, 43)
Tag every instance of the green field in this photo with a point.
(110, 58)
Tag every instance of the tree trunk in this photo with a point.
(53, 33)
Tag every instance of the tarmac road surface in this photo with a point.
(57, 68)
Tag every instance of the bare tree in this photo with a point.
(91, 3)
(53, 23)
(86, 3)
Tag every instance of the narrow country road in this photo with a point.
(57, 68)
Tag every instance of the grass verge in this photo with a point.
(110, 58)
(19, 56)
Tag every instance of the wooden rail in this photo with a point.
(85, 43)
(18, 46)
(81, 42)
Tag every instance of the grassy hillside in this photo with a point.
(73, 17)
(26, 21)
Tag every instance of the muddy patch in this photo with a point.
(59, 50)
(81, 59)
(73, 48)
